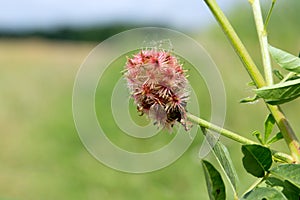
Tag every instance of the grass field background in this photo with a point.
(42, 157)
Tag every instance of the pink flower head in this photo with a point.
(158, 86)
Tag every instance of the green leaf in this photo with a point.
(280, 93)
(288, 189)
(251, 83)
(285, 59)
(225, 161)
(249, 99)
(214, 182)
(289, 172)
(291, 191)
(223, 156)
(264, 193)
(257, 134)
(269, 124)
(275, 138)
(257, 159)
(278, 74)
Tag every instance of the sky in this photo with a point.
(46, 14)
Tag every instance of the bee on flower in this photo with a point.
(158, 85)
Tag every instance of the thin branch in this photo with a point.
(263, 41)
(236, 43)
(269, 14)
(234, 136)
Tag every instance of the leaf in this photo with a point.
(223, 156)
(289, 172)
(274, 182)
(249, 99)
(280, 93)
(278, 74)
(264, 193)
(269, 124)
(291, 191)
(257, 134)
(288, 189)
(214, 182)
(251, 83)
(275, 138)
(257, 159)
(285, 59)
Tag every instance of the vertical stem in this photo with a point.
(281, 121)
(257, 78)
(263, 40)
(269, 13)
(287, 132)
(236, 43)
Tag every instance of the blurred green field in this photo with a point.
(42, 157)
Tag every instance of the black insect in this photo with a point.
(174, 115)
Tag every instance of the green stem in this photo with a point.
(287, 132)
(269, 14)
(236, 43)
(229, 134)
(257, 78)
(234, 136)
(263, 41)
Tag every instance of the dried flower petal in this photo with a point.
(158, 85)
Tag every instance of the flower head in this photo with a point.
(158, 85)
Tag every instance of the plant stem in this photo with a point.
(234, 136)
(236, 43)
(263, 40)
(269, 14)
(287, 132)
(229, 134)
(257, 78)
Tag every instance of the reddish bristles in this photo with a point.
(158, 86)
